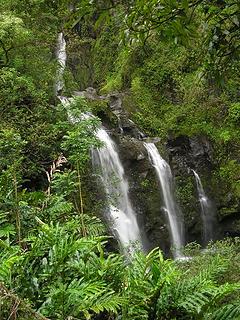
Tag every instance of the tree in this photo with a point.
(80, 140)
(11, 158)
(212, 26)
(13, 34)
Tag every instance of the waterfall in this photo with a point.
(207, 211)
(119, 209)
(120, 212)
(61, 56)
(164, 175)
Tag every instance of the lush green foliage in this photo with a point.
(66, 275)
(176, 62)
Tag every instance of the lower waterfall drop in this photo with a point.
(61, 56)
(207, 211)
(119, 208)
(164, 175)
(121, 214)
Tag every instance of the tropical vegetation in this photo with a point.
(177, 63)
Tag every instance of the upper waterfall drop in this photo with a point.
(119, 208)
(164, 175)
(207, 211)
(61, 56)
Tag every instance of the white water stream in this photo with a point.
(119, 208)
(207, 211)
(164, 175)
(119, 211)
(61, 56)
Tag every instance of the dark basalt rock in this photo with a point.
(231, 225)
(144, 191)
(115, 102)
(183, 154)
(90, 94)
(186, 154)
(126, 125)
(190, 153)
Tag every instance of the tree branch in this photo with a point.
(17, 302)
(6, 51)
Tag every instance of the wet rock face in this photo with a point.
(190, 153)
(231, 225)
(126, 126)
(90, 94)
(197, 153)
(115, 102)
(183, 154)
(186, 154)
(144, 192)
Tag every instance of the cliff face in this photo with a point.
(198, 153)
(183, 154)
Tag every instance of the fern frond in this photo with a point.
(227, 312)
(94, 225)
(195, 302)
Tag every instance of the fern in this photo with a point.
(9, 257)
(195, 301)
(206, 297)
(145, 278)
(94, 225)
(81, 296)
(3, 218)
(227, 312)
(6, 229)
(196, 294)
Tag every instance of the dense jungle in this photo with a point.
(119, 159)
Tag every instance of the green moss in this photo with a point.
(145, 183)
(186, 195)
(101, 108)
(98, 105)
(170, 90)
(113, 83)
(229, 172)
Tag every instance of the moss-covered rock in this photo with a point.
(183, 153)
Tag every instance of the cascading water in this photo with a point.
(120, 212)
(164, 175)
(61, 56)
(119, 209)
(207, 211)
